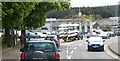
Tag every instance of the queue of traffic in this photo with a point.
(48, 49)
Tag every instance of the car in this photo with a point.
(110, 33)
(117, 33)
(95, 43)
(53, 38)
(89, 34)
(42, 35)
(31, 35)
(104, 35)
(39, 50)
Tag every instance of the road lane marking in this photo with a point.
(80, 44)
(75, 48)
(110, 53)
(69, 44)
(66, 51)
(69, 57)
(67, 48)
(72, 51)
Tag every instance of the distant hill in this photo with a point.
(102, 11)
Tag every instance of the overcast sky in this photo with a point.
(92, 3)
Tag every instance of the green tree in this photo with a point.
(13, 14)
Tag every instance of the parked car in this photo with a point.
(110, 33)
(39, 50)
(31, 35)
(95, 43)
(117, 33)
(41, 34)
(53, 38)
(104, 35)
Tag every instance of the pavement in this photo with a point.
(114, 48)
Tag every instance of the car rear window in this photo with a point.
(41, 46)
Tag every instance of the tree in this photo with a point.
(13, 15)
(37, 17)
(24, 15)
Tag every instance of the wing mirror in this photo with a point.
(87, 41)
(103, 40)
(59, 50)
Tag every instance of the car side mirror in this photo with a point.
(87, 41)
(103, 40)
(21, 50)
(59, 50)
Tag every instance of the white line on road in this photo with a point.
(69, 57)
(72, 51)
(69, 44)
(80, 44)
(66, 51)
(110, 53)
(75, 48)
(67, 48)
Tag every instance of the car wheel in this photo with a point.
(81, 38)
(102, 48)
(88, 48)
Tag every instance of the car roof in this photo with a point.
(47, 41)
(95, 38)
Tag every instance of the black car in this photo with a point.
(43, 50)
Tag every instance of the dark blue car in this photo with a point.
(31, 35)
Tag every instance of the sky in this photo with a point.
(92, 3)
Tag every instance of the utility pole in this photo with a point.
(80, 21)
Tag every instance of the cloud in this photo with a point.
(92, 3)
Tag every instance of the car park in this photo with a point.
(95, 43)
(53, 38)
(39, 50)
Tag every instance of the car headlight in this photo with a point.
(101, 44)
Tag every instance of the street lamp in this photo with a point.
(80, 26)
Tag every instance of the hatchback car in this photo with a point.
(53, 38)
(43, 50)
(95, 43)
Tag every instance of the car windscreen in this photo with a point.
(41, 46)
(95, 39)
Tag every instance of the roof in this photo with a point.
(40, 41)
(66, 25)
(95, 38)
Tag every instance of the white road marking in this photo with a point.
(69, 44)
(67, 48)
(80, 44)
(72, 51)
(75, 48)
(69, 57)
(110, 53)
(66, 51)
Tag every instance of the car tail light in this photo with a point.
(23, 55)
(57, 55)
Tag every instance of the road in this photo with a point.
(78, 50)
(70, 50)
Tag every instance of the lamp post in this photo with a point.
(80, 22)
